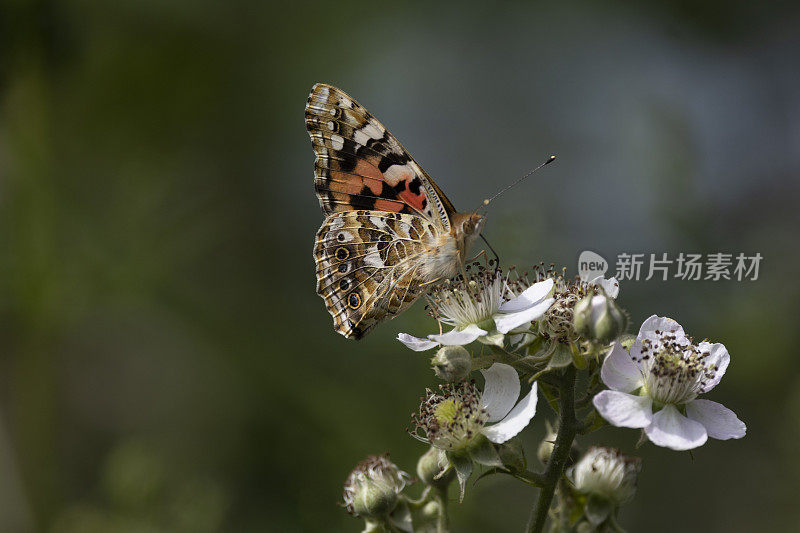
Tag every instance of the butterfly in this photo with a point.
(389, 232)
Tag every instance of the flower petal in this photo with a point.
(519, 417)
(671, 429)
(610, 285)
(505, 322)
(500, 392)
(456, 337)
(619, 372)
(530, 296)
(719, 421)
(717, 356)
(415, 343)
(624, 410)
(657, 323)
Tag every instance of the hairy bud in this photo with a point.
(452, 363)
(430, 465)
(599, 318)
(372, 488)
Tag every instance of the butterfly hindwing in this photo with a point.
(360, 165)
(368, 266)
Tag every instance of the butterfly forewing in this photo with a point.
(360, 165)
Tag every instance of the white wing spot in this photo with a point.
(322, 96)
(373, 260)
(373, 130)
(337, 141)
(378, 222)
(395, 173)
(360, 137)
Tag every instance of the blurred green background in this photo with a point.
(165, 364)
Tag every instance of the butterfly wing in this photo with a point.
(370, 266)
(360, 165)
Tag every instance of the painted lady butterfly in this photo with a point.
(390, 231)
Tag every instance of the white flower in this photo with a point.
(478, 307)
(667, 373)
(607, 473)
(452, 418)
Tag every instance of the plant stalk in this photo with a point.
(567, 429)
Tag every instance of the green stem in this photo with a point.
(443, 521)
(419, 503)
(567, 428)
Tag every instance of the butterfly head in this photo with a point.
(468, 227)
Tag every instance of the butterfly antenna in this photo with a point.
(520, 180)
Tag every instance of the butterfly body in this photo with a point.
(390, 231)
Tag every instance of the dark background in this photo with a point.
(165, 364)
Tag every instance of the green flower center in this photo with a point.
(446, 411)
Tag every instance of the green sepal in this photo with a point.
(446, 470)
(578, 359)
(463, 467)
(375, 526)
(483, 452)
(535, 344)
(491, 472)
(562, 356)
(512, 455)
(597, 509)
(401, 517)
(493, 338)
(526, 340)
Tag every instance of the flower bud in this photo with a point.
(452, 363)
(545, 449)
(607, 473)
(372, 488)
(430, 512)
(599, 318)
(431, 465)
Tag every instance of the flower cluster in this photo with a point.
(545, 330)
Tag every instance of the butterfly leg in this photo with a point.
(431, 282)
(480, 254)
